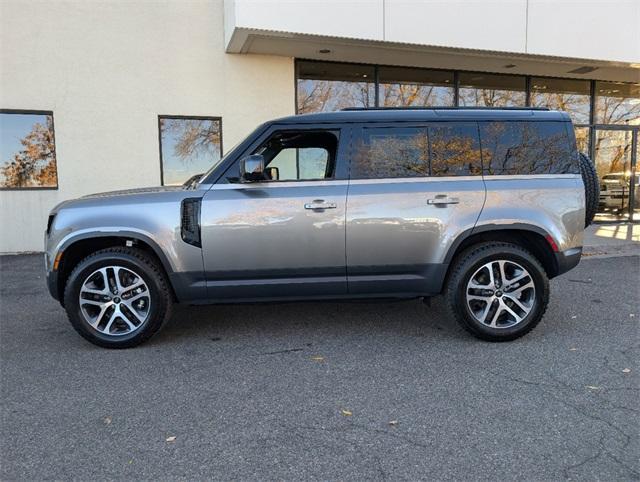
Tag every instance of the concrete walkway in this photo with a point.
(612, 240)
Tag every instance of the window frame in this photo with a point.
(185, 117)
(330, 163)
(358, 135)
(55, 148)
(487, 164)
(342, 160)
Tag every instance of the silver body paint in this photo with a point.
(321, 239)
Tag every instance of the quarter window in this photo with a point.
(27, 150)
(527, 148)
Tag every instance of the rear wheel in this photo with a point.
(117, 297)
(497, 291)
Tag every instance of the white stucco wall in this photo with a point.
(107, 70)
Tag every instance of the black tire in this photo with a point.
(143, 265)
(467, 264)
(591, 188)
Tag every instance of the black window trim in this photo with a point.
(342, 160)
(185, 117)
(55, 148)
(333, 163)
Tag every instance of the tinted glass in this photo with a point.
(401, 87)
(455, 150)
(27, 151)
(527, 148)
(188, 146)
(617, 103)
(571, 96)
(391, 152)
(491, 90)
(325, 86)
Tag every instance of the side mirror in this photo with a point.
(252, 168)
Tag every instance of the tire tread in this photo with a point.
(591, 188)
(160, 278)
(458, 272)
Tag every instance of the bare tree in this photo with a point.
(193, 137)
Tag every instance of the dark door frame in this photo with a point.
(635, 133)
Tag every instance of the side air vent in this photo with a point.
(50, 222)
(190, 221)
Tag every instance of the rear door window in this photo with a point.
(391, 152)
(455, 149)
(519, 148)
(437, 149)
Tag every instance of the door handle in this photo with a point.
(441, 199)
(320, 204)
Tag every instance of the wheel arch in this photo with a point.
(531, 237)
(79, 247)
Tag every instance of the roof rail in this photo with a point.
(415, 107)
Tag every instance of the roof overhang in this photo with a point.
(252, 41)
(520, 37)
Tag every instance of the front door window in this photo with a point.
(300, 155)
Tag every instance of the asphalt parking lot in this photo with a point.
(326, 390)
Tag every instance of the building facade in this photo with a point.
(99, 96)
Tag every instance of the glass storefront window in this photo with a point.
(613, 163)
(571, 96)
(325, 86)
(582, 139)
(491, 90)
(636, 181)
(403, 87)
(617, 103)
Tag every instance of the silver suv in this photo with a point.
(480, 205)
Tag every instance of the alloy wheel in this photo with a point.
(115, 300)
(500, 294)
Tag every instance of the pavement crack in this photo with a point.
(279, 352)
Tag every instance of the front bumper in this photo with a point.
(568, 259)
(52, 284)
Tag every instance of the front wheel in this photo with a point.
(117, 297)
(497, 291)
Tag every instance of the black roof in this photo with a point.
(426, 114)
